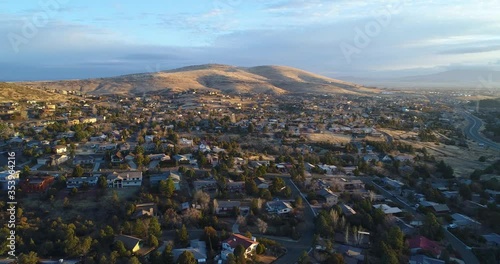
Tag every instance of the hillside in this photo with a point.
(225, 78)
(13, 92)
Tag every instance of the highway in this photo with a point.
(472, 131)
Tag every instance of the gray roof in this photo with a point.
(128, 241)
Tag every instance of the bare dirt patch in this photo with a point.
(329, 137)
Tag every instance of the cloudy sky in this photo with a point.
(66, 39)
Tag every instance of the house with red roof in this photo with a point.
(421, 243)
(228, 245)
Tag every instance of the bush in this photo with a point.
(260, 249)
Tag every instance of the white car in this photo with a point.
(452, 226)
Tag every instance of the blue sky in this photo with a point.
(82, 39)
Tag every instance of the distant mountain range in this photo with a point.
(213, 77)
(465, 79)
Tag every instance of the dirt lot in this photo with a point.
(329, 137)
(464, 161)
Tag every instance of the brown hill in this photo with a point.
(225, 78)
(14, 92)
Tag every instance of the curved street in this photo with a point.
(471, 130)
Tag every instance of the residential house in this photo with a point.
(57, 160)
(279, 207)
(124, 179)
(149, 138)
(197, 247)
(176, 178)
(492, 240)
(145, 210)
(205, 185)
(204, 148)
(228, 245)
(108, 146)
(117, 158)
(186, 142)
(347, 210)
(262, 183)
(347, 184)
(351, 252)
(420, 243)
(59, 149)
(83, 159)
(160, 157)
(36, 184)
(404, 158)
(328, 169)
(6, 176)
(131, 243)
(464, 221)
(183, 159)
(329, 196)
(78, 182)
(436, 207)
(235, 187)
(225, 207)
(387, 209)
(394, 184)
(88, 120)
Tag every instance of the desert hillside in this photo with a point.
(225, 78)
(14, 92)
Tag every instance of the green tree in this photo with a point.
(395, 238)
(239, 253)
(431, 228)
(298, 202)
(153, 241)
(261, 249)
(25, 172)
(186, 257)
(30, 258)
(120, 248)
(211, 237)
(154, 227)
(167, 187)
(77, 171)
(167, 255)
(134, 260)
(102, 183)
(182, 236)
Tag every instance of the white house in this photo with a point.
(234, 240)
(60, 149)
(77, 182)
(124, 179)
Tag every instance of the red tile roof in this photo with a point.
(425, 244)
(237, 239)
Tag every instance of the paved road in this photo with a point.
(295, 248)
(459, 246)
(472, 131)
